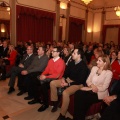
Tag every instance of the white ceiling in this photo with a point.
(100, 3)
(104, 3)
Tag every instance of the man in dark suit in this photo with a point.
(24, 64)
(3, 53)
(36, 68)
(112, 112)
(89, 53)
(4, 49)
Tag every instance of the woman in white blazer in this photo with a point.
(97, 88)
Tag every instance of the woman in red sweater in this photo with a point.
(116, 72)
(12, 53)
(116, 68)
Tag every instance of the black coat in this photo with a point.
(3, 53)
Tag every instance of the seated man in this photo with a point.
(112, 112)
(24, 64)
(74, 78)
(54, 70)
(36, 68)
(3, 53)
(4, 49)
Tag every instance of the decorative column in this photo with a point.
(86, 22)
(102, 24)
(13, 21)
(67, 22)
(57, 19)
(92, 26)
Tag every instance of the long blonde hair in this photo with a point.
(9, 51)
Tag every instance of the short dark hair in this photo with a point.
(80, 51)
(43, 48)
(58, 49)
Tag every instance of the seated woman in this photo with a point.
(8, 61)
(12, 53)
(97, 88)
(113, 57)
(94, 58)
(116, 71)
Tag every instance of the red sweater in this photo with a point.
(116, 70)
(54, 69)
(12, 57)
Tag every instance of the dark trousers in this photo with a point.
(13, 73)
(3, 72)
(22, 82)
(43, 90)
(82, 102)
(44, 93)
(33, 85)
(112, 112)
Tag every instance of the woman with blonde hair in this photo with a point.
(12, 53)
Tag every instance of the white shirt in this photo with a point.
(55, 59)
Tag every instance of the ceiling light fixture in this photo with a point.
(86, 1)
(63, 5)
(117, 9)
(5, 6)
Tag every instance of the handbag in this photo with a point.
(60, 90)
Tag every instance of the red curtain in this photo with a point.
(105, 30)
(35, 25)
(75, 29)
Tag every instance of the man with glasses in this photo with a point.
(23, 65)
(28, 77)
(54, 70)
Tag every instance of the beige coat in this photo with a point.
(101, 81)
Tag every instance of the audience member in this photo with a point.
(66, 55)
(116, 72)
(4, 49)
(89, 53)
(94, 58)
(113, 57)
(112, 112)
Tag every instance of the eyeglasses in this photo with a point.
(54, 51)
(29, 49)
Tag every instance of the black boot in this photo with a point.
(3, 73)
(61, 117)
(55, 106)
(11, 89)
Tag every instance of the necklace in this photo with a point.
(98, 72)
